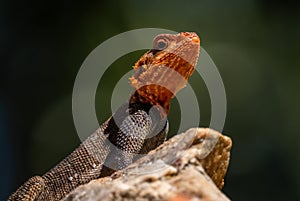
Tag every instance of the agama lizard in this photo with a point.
(135, 128)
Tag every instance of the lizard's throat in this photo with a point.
(154, 95)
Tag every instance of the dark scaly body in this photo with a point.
(136, 127)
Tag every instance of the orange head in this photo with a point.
(162, 71)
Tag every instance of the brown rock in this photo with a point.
(189, 166)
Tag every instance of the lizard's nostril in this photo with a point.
(196, 39)
(193, 36)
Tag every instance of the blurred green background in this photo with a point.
(255, 45)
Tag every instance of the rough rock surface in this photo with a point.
(189, 166)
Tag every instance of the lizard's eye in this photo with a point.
(161, 44)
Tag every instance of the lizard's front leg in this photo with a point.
(30, 190)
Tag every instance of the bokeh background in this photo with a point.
(254, 43)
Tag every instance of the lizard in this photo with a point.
(137, 127)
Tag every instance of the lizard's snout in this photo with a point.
(192, 35)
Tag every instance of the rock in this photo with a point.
(189, 166)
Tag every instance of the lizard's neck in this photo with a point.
(154, 95)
